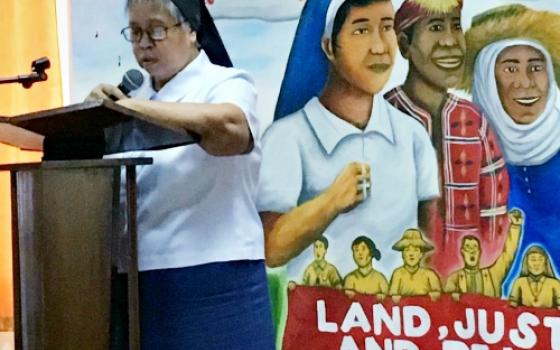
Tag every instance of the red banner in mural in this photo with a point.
(327, 319)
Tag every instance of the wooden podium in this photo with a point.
(66, 216)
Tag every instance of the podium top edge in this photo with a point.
(73, 164)
(80, 106)
(76, 120)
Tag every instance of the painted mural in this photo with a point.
(409, 172)
(344, 176)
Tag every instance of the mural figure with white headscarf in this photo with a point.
(514, 63)
(339, 159)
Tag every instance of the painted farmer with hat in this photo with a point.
(485, 280)
(412, 279)
(473, 176)
(194, 294)
(513, 70)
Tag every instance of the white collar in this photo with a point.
(330, 129)
(176, 88)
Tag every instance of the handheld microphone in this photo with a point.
(131, 81)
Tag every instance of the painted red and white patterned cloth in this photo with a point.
(473, 178)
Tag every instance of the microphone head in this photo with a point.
(131, 81)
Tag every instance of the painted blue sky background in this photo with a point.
(100, 54)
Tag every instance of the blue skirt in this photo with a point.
(221, 305)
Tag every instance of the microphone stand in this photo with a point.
(38, 68)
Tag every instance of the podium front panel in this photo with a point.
(64, 224)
